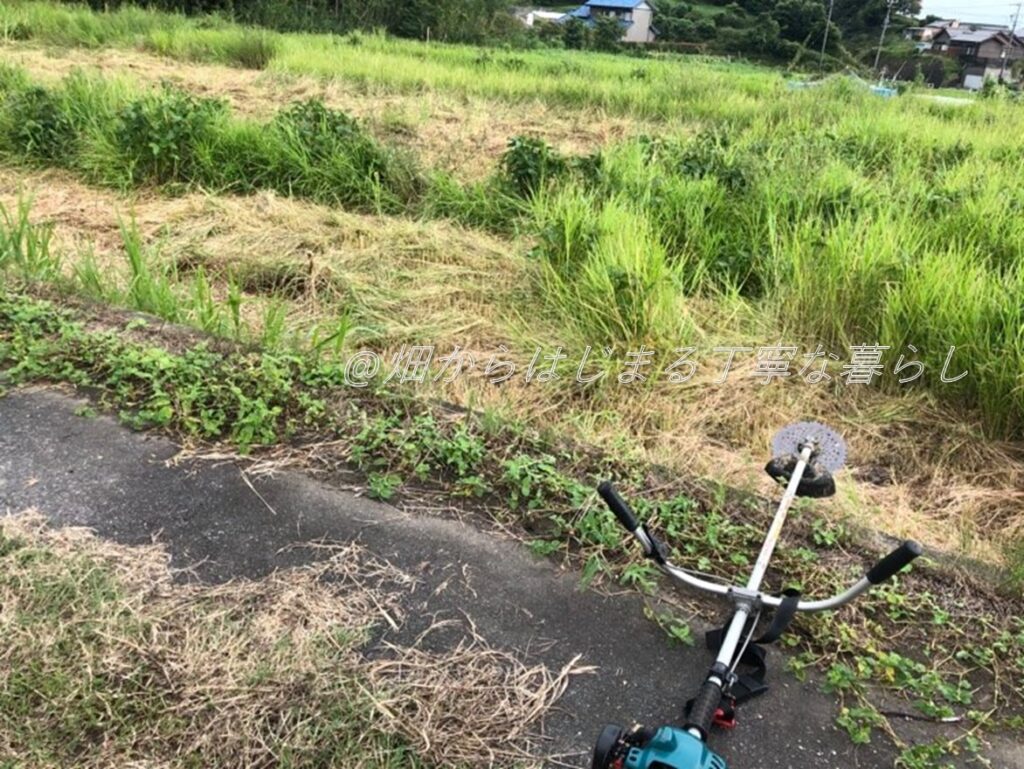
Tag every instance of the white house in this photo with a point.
(635, 16)
(532, 17)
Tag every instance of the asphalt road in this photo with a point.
(96, 473)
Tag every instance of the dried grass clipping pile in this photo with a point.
(451, 706)
(107, 662)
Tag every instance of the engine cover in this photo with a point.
(672, 748)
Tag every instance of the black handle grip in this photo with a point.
(893, 562)
(617, 505)
(705, 705)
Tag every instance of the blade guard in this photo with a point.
(828, 455)
(829, 446)
(816, 482)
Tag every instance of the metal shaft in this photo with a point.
(735, 631)
(1012, 43)
(738, 623)
(824, 41)
(732, 636)
(761, 566)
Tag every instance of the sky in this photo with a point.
(986, 11)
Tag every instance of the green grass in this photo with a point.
(670, 89)
(113, 135)
(25, 252)
(246, 48)
(828, 215)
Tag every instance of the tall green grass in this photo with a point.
(250, 49)
(205, 38)
(654, 88)
(840, 219)
(608, 274)
(70, 26)
(25, 252)
(117, 135)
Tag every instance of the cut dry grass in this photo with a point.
(445, 704)
(108, 661)
(919, 469)
(400, 281)
(462, 135)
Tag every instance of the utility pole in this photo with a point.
(824, 42)
(885, 27)
(1013, 42)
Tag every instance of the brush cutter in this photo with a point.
(805, 457)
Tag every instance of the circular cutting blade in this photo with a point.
(830, 448)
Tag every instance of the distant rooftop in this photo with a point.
(620, 4)
(958, 24)
(974, 35)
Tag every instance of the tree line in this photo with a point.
(770, 29)
(452, 20)
(777, 28)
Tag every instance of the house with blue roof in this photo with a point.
(635, 16)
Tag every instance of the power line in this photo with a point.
(953, 7)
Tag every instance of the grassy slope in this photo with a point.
(306, 261)
(461, 135)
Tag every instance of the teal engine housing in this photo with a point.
(672, 748)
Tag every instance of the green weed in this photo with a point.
(157, 136)
(25, 251)
(254, 400)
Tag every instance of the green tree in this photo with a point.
(732, 16)
(575, 34)
(673, 20)
(607, 33)
(853, 16)
(762, 38)
(799, 20)
(414, 18)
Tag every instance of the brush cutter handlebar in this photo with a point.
(894, 562)
(887, 567)
(705, 705)
(617, 505)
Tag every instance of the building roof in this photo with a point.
(955, 23)
(583, 13)
(972, 35)
(548, 15)
(624, 5)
